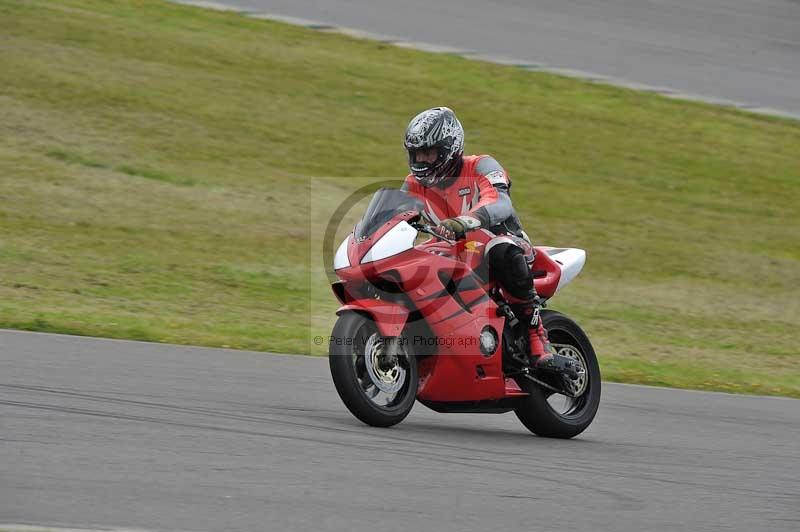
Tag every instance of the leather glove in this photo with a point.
(456, 228)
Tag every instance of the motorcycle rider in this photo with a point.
(468, 192)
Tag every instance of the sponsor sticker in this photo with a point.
(498, 176)
(472, 246)
(464, 191)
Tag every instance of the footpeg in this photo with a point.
(504, 310)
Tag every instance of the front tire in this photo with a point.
(377, 393)
(539, 411)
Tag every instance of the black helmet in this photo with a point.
(435, 128)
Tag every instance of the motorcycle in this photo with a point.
(420, 320)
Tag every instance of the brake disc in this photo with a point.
(388, 379)
(578, 385)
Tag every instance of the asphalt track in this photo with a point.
(124, 434)
(742, 51)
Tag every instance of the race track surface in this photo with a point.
(747, 51)
(136, 435)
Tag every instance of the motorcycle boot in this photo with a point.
(541, 351)
(543, 356)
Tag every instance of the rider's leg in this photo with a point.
(510, 264)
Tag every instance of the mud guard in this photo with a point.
(390, 318)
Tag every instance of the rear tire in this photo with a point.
(536, 411)
(352, 335)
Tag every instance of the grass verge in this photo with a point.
(156, 164)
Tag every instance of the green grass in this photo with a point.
(156, 182)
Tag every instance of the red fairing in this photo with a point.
(460, 372)
(389, 317)
(546, 284)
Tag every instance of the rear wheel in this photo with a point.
(554, 415)
(378, 389)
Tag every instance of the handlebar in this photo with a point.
(426, 228)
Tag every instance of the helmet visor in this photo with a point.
(425, 159)
(427, 163)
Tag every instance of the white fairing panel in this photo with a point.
(571, 261)
(400, 238)
(340, 260)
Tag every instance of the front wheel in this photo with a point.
(379, 390)
(553, 415)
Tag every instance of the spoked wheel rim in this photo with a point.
(564, 405)
(383, 381)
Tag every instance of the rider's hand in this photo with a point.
(456, 228)
(451, 228)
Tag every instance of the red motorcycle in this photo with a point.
(420, 320)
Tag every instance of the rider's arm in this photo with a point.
(494, 206)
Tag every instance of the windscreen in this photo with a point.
(386, 204)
